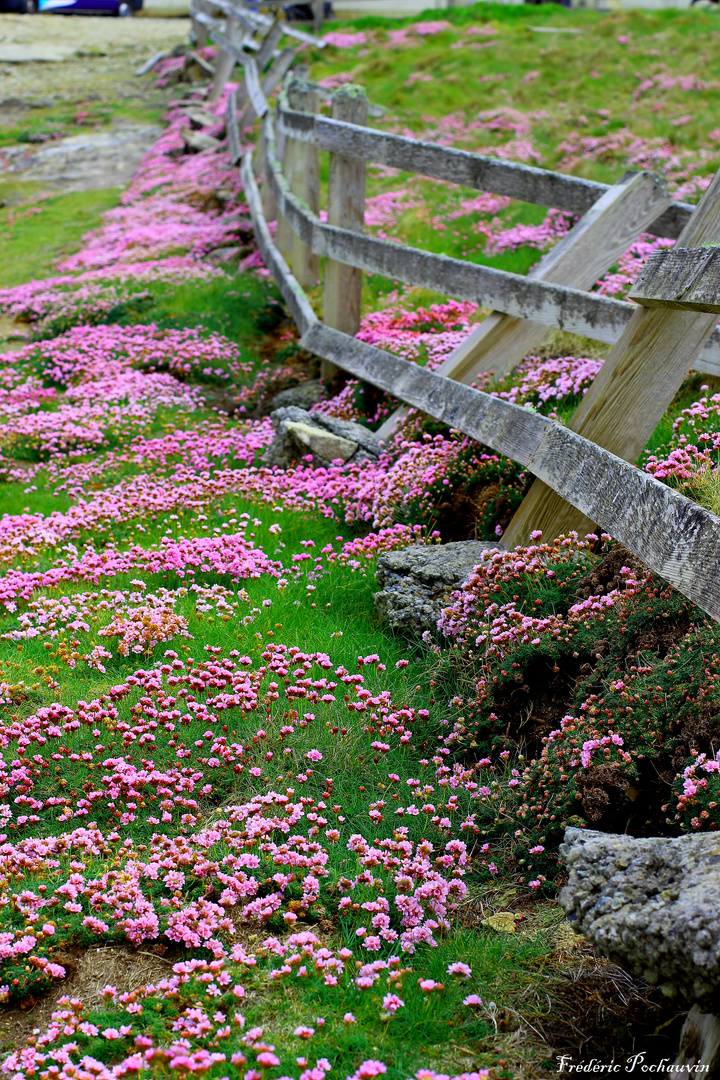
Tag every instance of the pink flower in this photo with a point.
(461, 970)
(267, 1059)
(368, 1070)
(391, 1003)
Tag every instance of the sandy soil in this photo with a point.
(89, 59)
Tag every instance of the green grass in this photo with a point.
(58, 121)
(34, 238)
(234, 309)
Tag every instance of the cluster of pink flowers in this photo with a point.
(537, 381)
(87, 353)
(693, 447)
(618, 282)
(90, 296)
(425, 333)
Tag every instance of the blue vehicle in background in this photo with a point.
(122, 8)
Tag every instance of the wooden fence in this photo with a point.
(585, 476)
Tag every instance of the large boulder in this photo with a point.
(650, 905)
(416, 581)
(299, 433)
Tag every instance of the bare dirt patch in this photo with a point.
(95, 159)
(88, 972)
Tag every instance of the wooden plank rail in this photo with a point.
(588, 314)
(524, 182)
(673, 535)
(684, 278)
(272, 78)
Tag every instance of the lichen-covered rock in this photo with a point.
(302, 396)
(651, 905)
(197, 141)
(299, 433)
(416, 581)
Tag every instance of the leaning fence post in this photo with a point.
(302, 171)
(270, 43)
(199, 30)
(225, 61)
(633, 389)
(346, 209)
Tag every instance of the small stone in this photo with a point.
(331, 439)
(200, 118)
(322, 443)
(197, 141)
(417, 581)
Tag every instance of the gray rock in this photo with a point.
(92, 159)
(197, 141)
(199, 117)
(303, 396)
(224, 254)
(323, 444)
(416, 582)
(649, 905)
(299, 433)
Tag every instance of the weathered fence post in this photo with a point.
(269, 205)
(270, 43)
(633, 389)
(589, 249)
(346, 209)
(225, 61)
(274, 75)
(200, 31)
(318, 13)
(302, 171)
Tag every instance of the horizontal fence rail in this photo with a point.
(591, 315)
(524, 182)
(674, 536)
